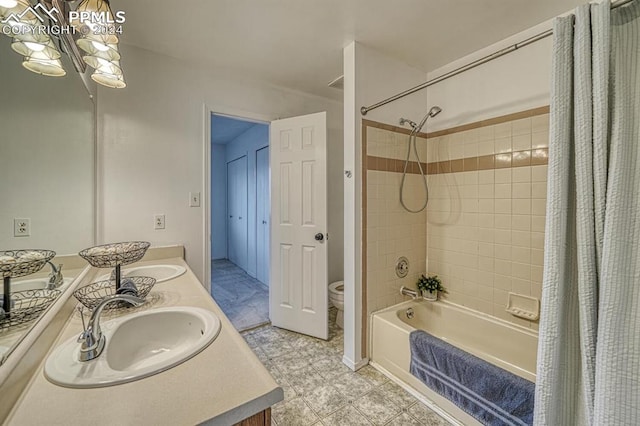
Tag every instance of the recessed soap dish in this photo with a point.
(523, 306)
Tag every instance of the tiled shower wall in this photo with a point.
(390, 231)
(486, 216)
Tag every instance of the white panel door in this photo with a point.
(262, 215)
(237, 192)
(298, 276)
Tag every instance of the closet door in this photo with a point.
(237, 192)
(263, 209)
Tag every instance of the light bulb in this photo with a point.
(8, 4)
(114, 81)
(103, 63)
(100, 46)
(36, 47)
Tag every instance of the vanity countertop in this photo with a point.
(222, 385)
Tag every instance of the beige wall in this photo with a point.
(150, 148)
(485, 228)
(391, 231)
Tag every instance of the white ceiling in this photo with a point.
(298, 43)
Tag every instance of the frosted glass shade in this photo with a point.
(26, 46)
(7, 7)
(102, 65)
(110, 53)
(92, 42)
(115, 81)
(48, 67)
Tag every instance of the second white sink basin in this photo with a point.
(37, 284)
(161, 273)
(137, 346)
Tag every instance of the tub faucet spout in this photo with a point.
(408, 292)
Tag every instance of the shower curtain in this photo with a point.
(589, 352)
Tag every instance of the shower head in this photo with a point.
(434, 111)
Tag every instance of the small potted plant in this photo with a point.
(429, 286)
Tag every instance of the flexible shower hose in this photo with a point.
(412, 137)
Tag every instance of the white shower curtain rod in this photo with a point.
(364, 110)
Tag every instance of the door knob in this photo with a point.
(319, 236)
(240, 218)
(264, 222)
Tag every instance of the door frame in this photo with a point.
(208, 111)
(267, 147)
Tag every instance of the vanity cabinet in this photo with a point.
(262, 418)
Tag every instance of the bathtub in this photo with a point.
(509, 346)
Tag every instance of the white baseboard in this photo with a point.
(355, 366)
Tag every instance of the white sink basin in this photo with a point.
(160, 272)
(137, 346)
(36, 284)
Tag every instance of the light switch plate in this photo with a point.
(194, 199)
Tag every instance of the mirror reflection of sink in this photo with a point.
(161, 273)
(36, 284)
(137, 346)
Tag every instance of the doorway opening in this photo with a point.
(240, 206)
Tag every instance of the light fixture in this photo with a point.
(103, 66)
(111, 52)
(27, 44)
(92, 42)
(41, 53)
(42, 66)
(115, 81)
(7, 7)
(99, 29)
(21, 14)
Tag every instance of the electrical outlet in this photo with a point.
(158, 221)
(194, 199)
(21, 227)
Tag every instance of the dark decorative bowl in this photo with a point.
(92, 294)
(112, 255)
(18, 263)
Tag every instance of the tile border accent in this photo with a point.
(383, 164)
(397, 129)
(489, 122)
(530, 157)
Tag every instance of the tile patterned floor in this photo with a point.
(320, 390)
(243, 299)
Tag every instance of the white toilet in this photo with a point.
(336, 297)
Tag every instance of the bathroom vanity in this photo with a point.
(225, 384)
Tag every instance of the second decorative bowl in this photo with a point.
(92, 294)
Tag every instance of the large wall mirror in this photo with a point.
(47, 166)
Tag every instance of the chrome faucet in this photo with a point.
(408, 292)
(55, 277)
(92, 339)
